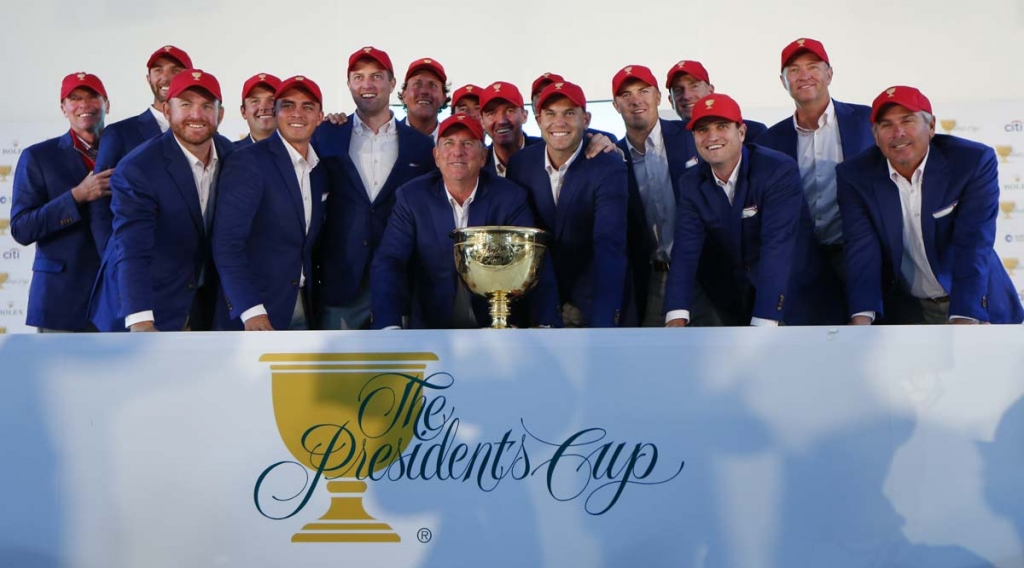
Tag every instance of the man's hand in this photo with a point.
(571, 316)
(599, 143)
(860, 320)
(258, 323)
(143, 326)
(678, 322)
(336, 118)
(93, 187)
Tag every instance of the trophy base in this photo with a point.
(346, 520)
(499, 310)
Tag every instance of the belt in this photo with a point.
(659, 266)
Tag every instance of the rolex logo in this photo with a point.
(891, 92)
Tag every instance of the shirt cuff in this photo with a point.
(392, 327)
(257, 310)
(951, 318)
(677, 314)
(761, 322)
(139, 317)
(869, 314)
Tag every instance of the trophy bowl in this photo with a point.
(500, 263)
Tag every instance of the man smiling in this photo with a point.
(424, 95)
(258, 107)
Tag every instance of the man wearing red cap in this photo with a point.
(258, 107)
(157, 272)
(269, 213)
(367, 159)
(687, 82)
(598, 141)
(919, 216)
(820, 134)
(503, 116)
(424, 94)
(466, 99)
(743, 232)
(582, 204)
(51, 206)
(416, 253)
(123, 136)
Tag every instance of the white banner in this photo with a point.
(741, 447)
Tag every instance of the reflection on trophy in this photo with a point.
(3, 278)
(4, 172)
(948, 125)
(355, 403)
(4, 225)
(1010, 264)
(1007, 207)
(1004, 152)
(500, 263)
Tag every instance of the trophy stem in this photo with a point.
(347, 519)
(499, 310)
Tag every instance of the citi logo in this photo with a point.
(12, 254)
(1015, 126)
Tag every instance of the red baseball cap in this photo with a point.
(693, 68)
(500, 90)
(81, 79)
(174, 53)
(191, 78)
(371, 53)
(464, 120)
(571, 91)
(801, 45)
(543, 81)
(908, 97)
(304, 83)
(633, 72)
(718, 106)
(465, 91)
(265, 79)
(427, 64)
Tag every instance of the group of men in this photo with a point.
(838, 213)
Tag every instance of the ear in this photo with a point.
(106, 110)
(437, 156)
(743, 132)
(711, 87)
(165, 107)
(586, 121)
(220, 114)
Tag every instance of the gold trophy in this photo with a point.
(4, 172)
(349, 402)
(948, 125)
(1010, 264)
(1007, 207)
(4, 225)
(1004, 152)
(3, 278)
(500, 263)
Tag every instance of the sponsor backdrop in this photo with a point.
(1000, 125)
(850, 447)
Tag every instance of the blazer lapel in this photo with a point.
(181, 172)
(849, 133)
(72, 160)
(887, 196)
(933, 196)
(543, 198)
(441, 214)
(480, 210)
(567, 194)
(148, 126)
(282, 159)
(679, 149)
(401, 164)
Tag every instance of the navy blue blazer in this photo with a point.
(754, 130)
(68, 237)
(354, 226)
(124, 136)
(260, 243)
(959, 207)
(417, 255)
(756, 257)
(854, 131)
(587, 229)
(243, 142)
(490, 165)
(160, 245)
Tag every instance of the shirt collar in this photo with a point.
(160, 119)
(360, 127)
(195, 162)
(451, 198)
(551, 169)
(825, 119)
(656, 140)
(732, 177)
(918, 173)
(311, 159)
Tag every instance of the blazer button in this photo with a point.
(191, 285)
(372, 210)
(295, 282)
(366, 243)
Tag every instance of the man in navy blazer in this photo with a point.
(687, 82)
(157, 273)
(53, 187)
(258, 108)
(503, 114)
(919, 214)
(582, 203)
(123, 136)
(743, 232)
(821, 134)
(269, 212)
(366, 159)
(417, 252)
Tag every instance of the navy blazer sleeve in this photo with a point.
(135, 211)
(687, 244)
(112, 149)
(973, 237)
(610, 205)
(780, 207)
(239, 193)
(34, 214)
(862, 252)
(389, 268)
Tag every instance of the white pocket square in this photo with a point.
(692, 162)
(945, 210)
(323, 198)
(749, 212)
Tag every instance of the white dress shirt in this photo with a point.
(303, 166)
(499, 167)
(461, 212)
(650, 166)
(818, 152)
(161, 120)
(729, 188)
(205, 177)
(374, 154)
(557, 175)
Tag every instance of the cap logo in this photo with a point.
(800, 42)
(367, 49)
(628, 70)
(81, 76)
(681, 64)
(196, 75)
(546, 75)
(300, 78)
(709, 103)
(469, 89)
(168, 47)
(497, 87)
(461, 117)
(427, 61)
(263, 76)
(891, 92)
(558, 86)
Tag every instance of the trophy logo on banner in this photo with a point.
(3, 330)
(948, 125)
(5, 170)
(3, 278)
(338, 414)
(1007, 207)
(1011, 264)
(4, 225)
(1004, 152)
